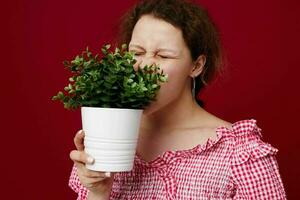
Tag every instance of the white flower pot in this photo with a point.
(111, 136)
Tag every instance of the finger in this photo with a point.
(79, 166)
(78, 140)
(94, 180)
(90, 182)
(90, 173)
(95, 174)
(81, 156)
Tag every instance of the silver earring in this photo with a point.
(194, 85)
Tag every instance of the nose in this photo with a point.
(148, 60)
(142, 62)
(136, 65)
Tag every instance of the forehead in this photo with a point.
(153, 31)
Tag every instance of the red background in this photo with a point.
(262, 45)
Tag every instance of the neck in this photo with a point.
(176, 115)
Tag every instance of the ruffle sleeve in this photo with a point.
(254, 167)
(249, 144)
(75, 184)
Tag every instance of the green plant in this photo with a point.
(111, 81)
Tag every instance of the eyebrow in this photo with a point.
(159, 49)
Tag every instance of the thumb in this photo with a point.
(78, 140)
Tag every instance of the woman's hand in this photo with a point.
(98, 183)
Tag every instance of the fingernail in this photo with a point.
(90, 160)
(107, 174)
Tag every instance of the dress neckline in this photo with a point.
(182, 153)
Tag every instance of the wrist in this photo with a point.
(97, 196)
(93, 196)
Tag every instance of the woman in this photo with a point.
(183, 152)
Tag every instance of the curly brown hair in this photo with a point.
(200, 33)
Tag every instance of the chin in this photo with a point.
(148, 110)
(154, 107)
(151, 108)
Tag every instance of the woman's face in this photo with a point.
(156, 41)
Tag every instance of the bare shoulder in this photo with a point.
(210, 122)
(220, 122)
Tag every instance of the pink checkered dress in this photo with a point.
(235, 165)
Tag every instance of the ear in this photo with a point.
(198, 66)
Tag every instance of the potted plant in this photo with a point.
(112, 96)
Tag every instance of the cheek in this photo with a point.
(177, 73)
(176, 79)
(170, 90)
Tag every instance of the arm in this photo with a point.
(76, 186)
(254, 168)
(258, 179)
(83, 192)
(85, 182)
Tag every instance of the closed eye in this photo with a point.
(163, 56)
(137, 54)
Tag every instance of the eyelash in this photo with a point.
(164, 57)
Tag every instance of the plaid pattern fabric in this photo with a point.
(236, 165)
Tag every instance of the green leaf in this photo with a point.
(109, 81)
(124, 46)
(105, 98)
(134, 85)
(144, 89)
(117, 50)
(107, 46)
(154, 85)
